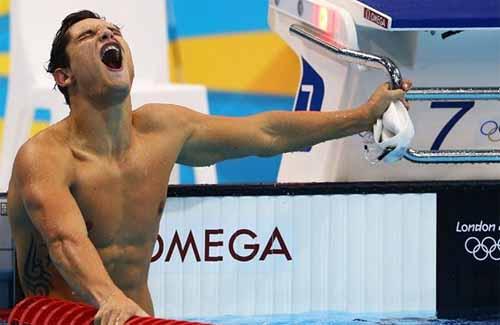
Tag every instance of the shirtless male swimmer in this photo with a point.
(86, 194)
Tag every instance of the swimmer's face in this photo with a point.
(100, 60)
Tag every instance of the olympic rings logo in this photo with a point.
(482, 249)
(491, 129)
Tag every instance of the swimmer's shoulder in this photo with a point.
(43, 157)
(156, 117)
(46, 152)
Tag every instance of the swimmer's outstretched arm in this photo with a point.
(42, 179)
(211, 139)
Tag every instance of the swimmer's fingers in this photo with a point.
(125, 315)
(98, 318)
(407, 84)
(104, 313)
(382, 98)
(116, 310)
(406, 104)
(104, 317)
(112, 316)
(400, 94)
(119, 318)
(396, 94)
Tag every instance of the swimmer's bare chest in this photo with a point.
(121, 201)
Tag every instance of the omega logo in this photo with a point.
(252, 250)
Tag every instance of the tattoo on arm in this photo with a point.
(36, 277)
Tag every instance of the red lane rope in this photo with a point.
(55, 313)
(46, 309)
(50, 311)
(84, 318)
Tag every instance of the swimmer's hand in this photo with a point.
(117, 309)
(381, 98)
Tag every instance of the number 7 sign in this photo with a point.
(312, 90)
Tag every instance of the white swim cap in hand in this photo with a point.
(392, 135)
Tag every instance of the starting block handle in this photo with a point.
(356, 57)
(379, 62)
(416, 94)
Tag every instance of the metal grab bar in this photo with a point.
(453, 156)
(453, 94)
(416, 94)
(351, 56)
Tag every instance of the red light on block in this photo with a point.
(324, 19)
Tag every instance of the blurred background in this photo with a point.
(224, 45)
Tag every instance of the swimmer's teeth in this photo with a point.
(112, 47)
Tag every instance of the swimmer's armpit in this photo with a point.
(36, 276)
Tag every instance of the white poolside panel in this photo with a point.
(174, 275)
(302, 236)
(427, 253)
(283, 270)
(192, 221)
(210, 270)
(392, 251)
(337, 256)
(162, 280)
(350, 253)
(374, 206)
(410, 243)
(320, 227)
(264, 294)
(246, 215)
(228, 297)
(353, 252)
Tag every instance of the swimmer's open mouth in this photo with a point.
(111, 56)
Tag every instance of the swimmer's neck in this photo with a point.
(105, 130)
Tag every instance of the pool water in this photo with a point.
(325, 318)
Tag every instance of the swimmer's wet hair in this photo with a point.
(58, 56)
